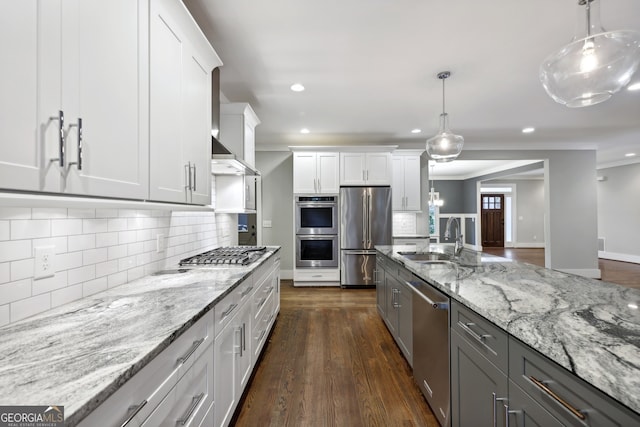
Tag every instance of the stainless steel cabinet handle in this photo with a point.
(191, 350)
(437, 305)
(194, 404)
(60, 119)
(246, 291)
(135, 408)
(239, 330)
(480, 338)
(542, 386)
(375, 276)
(79, 126)
(229, 310)
(187, 177)
(363, 176)
(367, 174)
(244, 337)
(261, 302)
(194, 177)
(264, 331)
(319, 186)
(396, 292)
(495, 409)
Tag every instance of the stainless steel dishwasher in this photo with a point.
(431, 347)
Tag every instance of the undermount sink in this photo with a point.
(426, 257)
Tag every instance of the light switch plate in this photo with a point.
(45, 262)
(266, 223)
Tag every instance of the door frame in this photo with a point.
(514, 211)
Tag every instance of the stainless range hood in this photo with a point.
(224, 162)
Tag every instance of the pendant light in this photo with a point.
(445, 146)
(594, 65)
(434, 199)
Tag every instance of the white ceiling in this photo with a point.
(369, 68)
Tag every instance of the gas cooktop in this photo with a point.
(226, 255)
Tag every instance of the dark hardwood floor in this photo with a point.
(330, 361)
(622, 273)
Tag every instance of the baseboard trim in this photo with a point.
(619, 257)
(299, 284)
(591, 273)
(529, 245)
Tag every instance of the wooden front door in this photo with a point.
(492, 220)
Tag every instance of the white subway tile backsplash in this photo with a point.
(97, 225)
(81, 242)
(15, 213)
(94, 286)
(117, 224)
(5, 230)
(95, 249)
(5, 272)
(82, 274)
(116, 252)
(106, 268)
(30, 228)
(95, 256)
(22, 269)
(82, 213)
(66, 227)
(126, 237)
(66, 295)
(30, 306)
(48, 213)
(5, 318)
(68, 261)
(15, 291)
(106, 239)
(48, 284)
(15, 249)
(117, 279)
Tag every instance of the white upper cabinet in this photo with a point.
(238, 124)
(105, 95)
(69, 63)
(315, 172)
(406, 182)
(181, 61)
(372, 168)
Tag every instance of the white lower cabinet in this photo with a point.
(188, 401)
(139, 397)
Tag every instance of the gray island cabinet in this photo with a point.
(528, 346)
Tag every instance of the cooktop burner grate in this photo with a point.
(227, 255)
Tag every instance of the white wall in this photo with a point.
(619, 212)
(96, 249)
(276, 169)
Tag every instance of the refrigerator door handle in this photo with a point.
(364, 218)
(368, 218)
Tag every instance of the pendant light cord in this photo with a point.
(443, 95)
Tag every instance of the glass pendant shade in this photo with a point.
(446, 145)
(595, 65)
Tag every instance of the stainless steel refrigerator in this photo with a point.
(365, 221)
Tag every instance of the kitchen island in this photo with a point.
(588, 327)
(80, 354)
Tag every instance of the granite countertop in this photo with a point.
(78, 354)
(590, 327)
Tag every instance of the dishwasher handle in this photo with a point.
(443, 305)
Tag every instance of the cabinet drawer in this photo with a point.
(576, 402)
(261, 326)
(487, 338)
(188, 401)
(230, 304)
(155, 380)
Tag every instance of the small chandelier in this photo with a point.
(446, 145)
(594, 65)
(434, 199)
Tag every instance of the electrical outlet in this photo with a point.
(161, 243)
(266, 223)
(44, 264)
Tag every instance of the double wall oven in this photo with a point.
(317, 227)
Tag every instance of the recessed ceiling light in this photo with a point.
(634, 86)
(304, 130)
(630, 155)
(297, 87)
(528, 130)
(416, 130)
